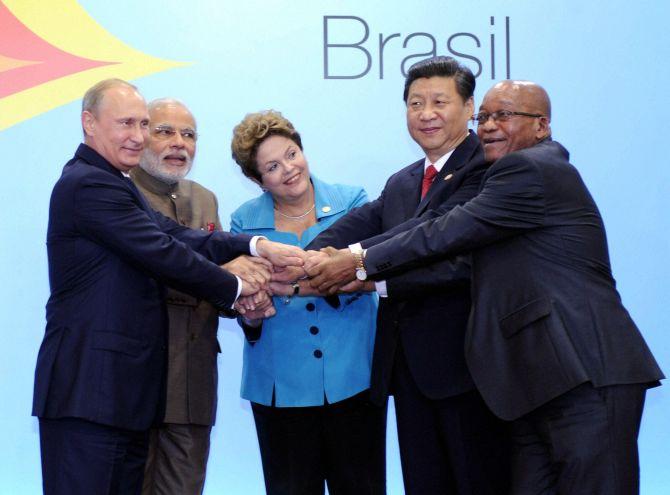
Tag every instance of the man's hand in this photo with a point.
(280, 255)
(248, 289)
(315, 257)
(358, 286)
(288, 274)
(281, 289)
(256, 306)
(339, 269)
(254, 272)
(292, 273)
(284, 289)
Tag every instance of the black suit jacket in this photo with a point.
(103, 356)
(428, 313)
(546, 313)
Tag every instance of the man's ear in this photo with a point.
(470, 105)
(543, 128)
(88, 123)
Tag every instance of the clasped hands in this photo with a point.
(279, 267)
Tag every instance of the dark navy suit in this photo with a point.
(546, 320)
(103, 357)
(457, 446)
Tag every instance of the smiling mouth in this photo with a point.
(292, 180)
(430, 130)
(492, 140)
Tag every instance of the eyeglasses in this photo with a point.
(501, 116)
(166, 132)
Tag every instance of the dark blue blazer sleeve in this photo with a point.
(442, 274)
(466, 191)
(219, 247)
(108, 212)
(359, 223)
(511, 201)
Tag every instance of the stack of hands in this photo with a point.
(284, 270)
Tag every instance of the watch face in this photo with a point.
(361, 275)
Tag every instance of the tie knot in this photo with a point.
(430, 173)
(428, 177)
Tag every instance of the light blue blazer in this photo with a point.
(308, 350)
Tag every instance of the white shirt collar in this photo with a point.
(439, 163)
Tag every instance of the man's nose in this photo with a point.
(489, 125)
(178, 140)
(140, 133)
(427, 113)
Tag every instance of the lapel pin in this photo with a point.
(449, 176)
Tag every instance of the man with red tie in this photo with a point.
(449, 441)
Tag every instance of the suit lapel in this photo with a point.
(139, 196)
(411, 192)
(92, 157)
(450, 173)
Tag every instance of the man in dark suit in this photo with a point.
(100, 377)
(550, 346)
(449, 441)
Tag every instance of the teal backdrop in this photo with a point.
(335, 69)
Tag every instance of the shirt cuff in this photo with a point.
(239, 290)
(253, 242)
(356, 247)
(380, 287)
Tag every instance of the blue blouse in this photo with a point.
(308, 350)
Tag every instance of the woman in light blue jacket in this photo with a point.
(307, 369)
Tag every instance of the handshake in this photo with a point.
(287, 271)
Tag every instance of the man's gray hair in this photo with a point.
(166, 101)
(154, 104)
(93, 97)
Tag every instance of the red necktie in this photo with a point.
(428, 178)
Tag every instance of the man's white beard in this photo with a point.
(153, 165)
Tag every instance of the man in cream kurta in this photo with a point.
(179, 447)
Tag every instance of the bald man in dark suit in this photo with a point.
(550, 346)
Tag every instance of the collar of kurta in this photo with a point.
(327, 202)
(151, 183)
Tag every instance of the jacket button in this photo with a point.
(310, 306)
(313, 330)
(318, 354)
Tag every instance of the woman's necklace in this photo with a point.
(296, 217)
